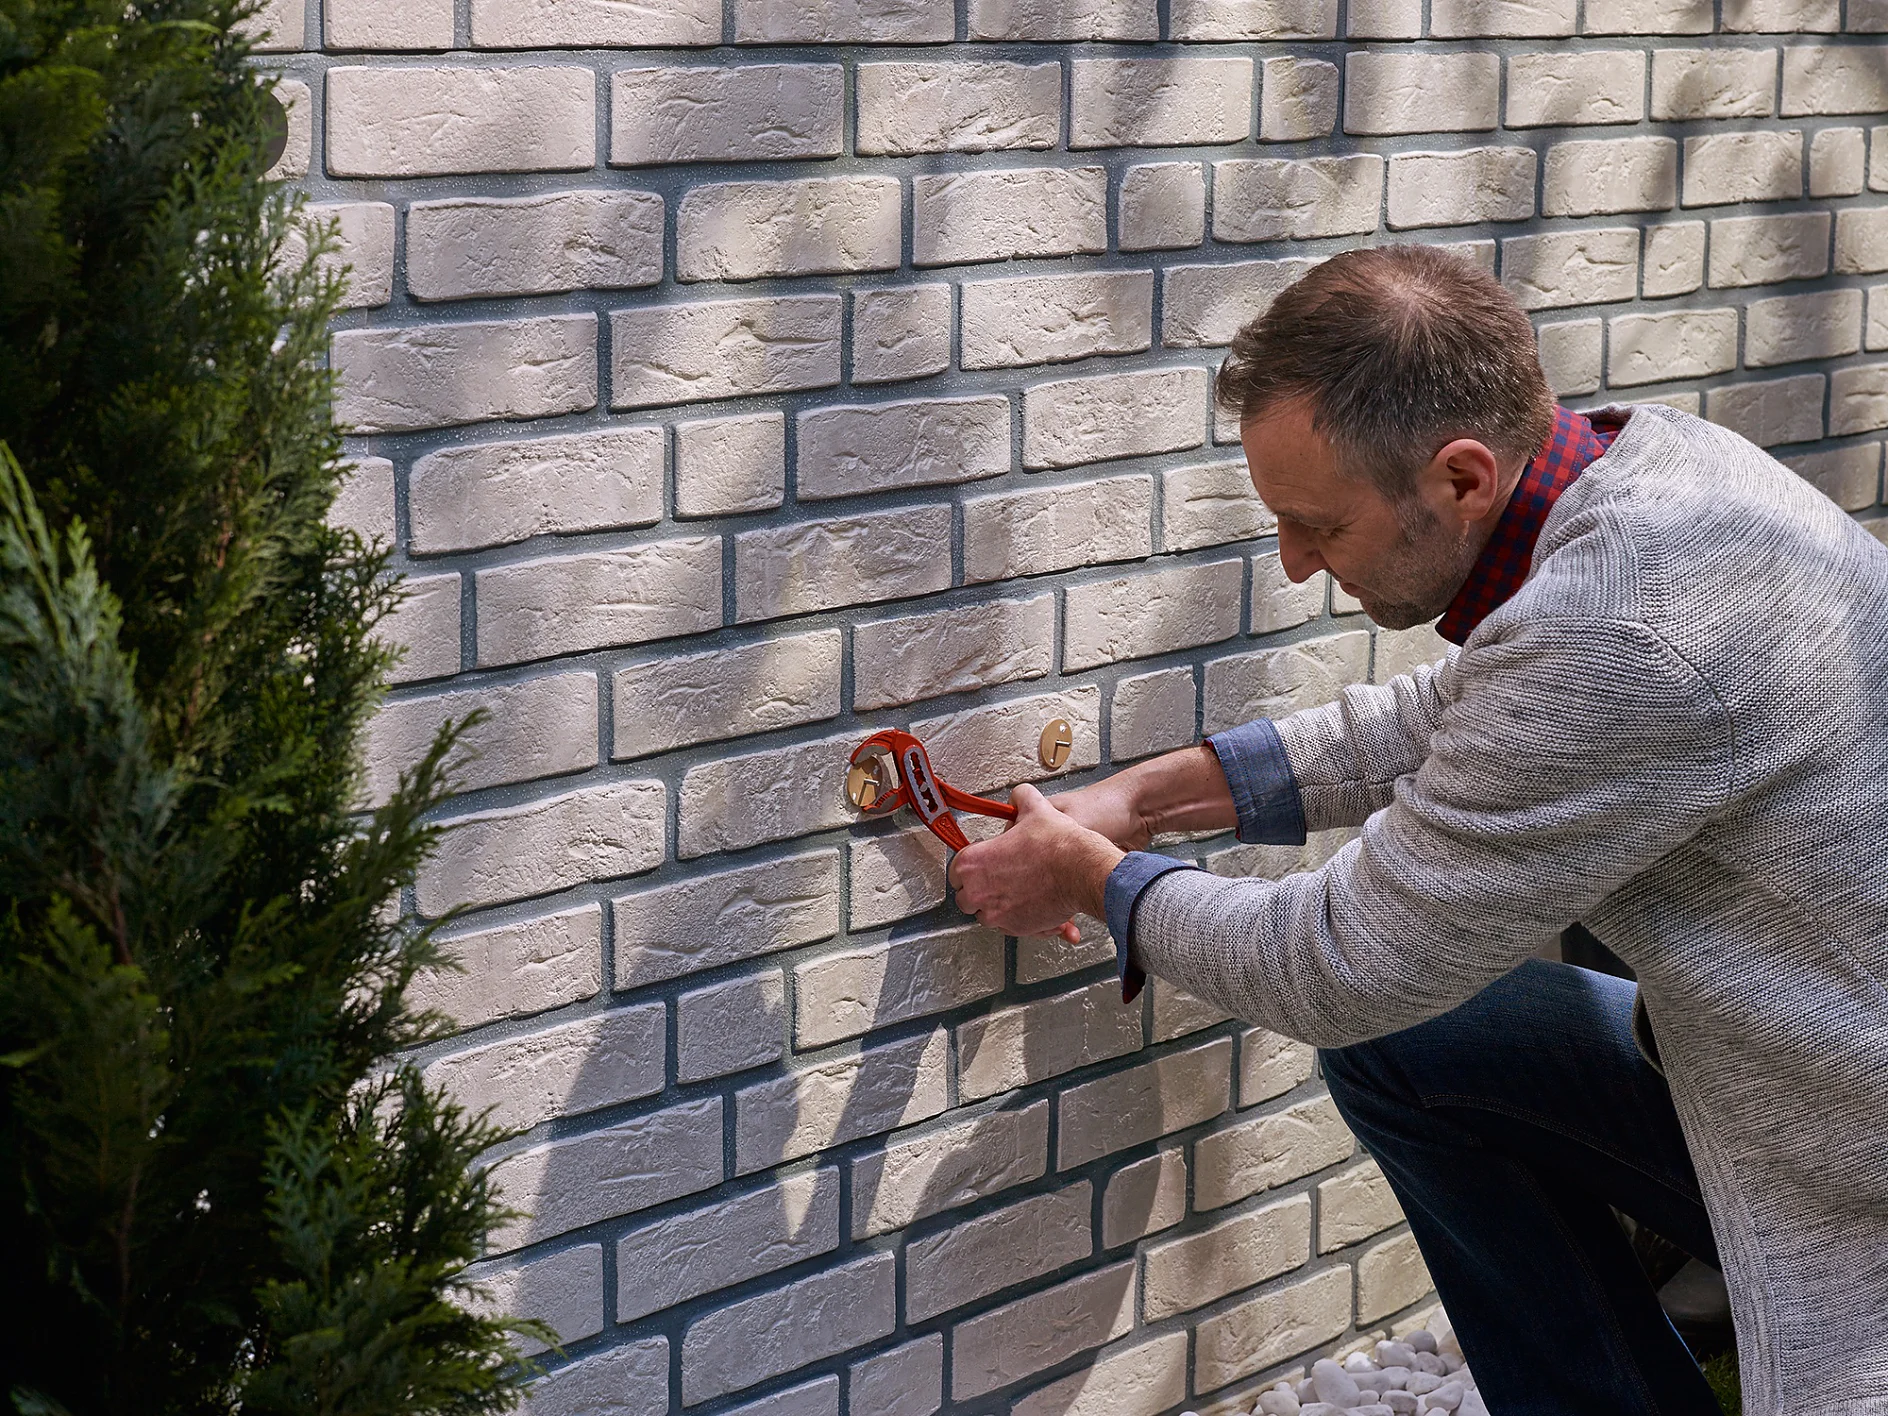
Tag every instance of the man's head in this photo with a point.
(1388, 402)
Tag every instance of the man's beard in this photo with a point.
(1419, 579)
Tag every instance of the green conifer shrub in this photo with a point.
(220, 1189)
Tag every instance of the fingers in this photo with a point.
(1070, 931)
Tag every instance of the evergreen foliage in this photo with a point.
(219, 1188)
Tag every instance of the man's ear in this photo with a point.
(1463, 482)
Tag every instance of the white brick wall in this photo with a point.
(732, 380)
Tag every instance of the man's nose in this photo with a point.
(1297, 555)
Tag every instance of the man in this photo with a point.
(1667, 720)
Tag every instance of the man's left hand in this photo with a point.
(1041, 871)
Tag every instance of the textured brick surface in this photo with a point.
(733, 378)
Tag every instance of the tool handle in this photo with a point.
(982, 806)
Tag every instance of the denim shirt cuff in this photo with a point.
(1136, 871)
(1264, 788)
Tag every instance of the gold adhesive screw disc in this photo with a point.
(1052, 748)
(865, 783)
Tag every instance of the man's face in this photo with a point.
(1404, 564)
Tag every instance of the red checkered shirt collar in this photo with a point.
(1502, 567)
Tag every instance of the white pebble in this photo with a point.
(1334, 1384)
(1422, 1383)
(1359, 1362)
(1401, 1402)
(1278, 1403)
(1305, 1391)
(1374, 1408)
(1320, 1408)
(1446, 1397)
(1472, 1405)
(1395, 1354)
(1453, 1362)
(1397, 1377)
(1371, 1381)
(1430, 1363)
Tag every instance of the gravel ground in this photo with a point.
(1414, 1375)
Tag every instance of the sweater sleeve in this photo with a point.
(1573, 756)
(1347, 755)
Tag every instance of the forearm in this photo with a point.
(1180, 791)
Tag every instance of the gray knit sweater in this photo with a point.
(1676, 732)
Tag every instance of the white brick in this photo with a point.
(1073, 421)
(815, 1398)
(1142, 1103)
(468, 248)
(1792, 327)
(663, 1264)
(840, 22)
(847, 560)
(565, 1185)
(595, 833)
(1713, 83)
(1355, 1205)
(1868, 17)
(1649, 16)
(1271, 1328)
(1055, 318)
(1876, 335)
(883, 446)
(1571, 356)
(906, 1381)
(1760, 250)
(1849, 79)
(1878, 159)
(362, 254)
(1743, 167)
(1279, 604)
(1461, 188)
(901, 873)
(1177, 1012)
(726, 917)
(1040, 1330)
(624, 1381)
(1858, 403)
(993, 745)
(844, 995)
(593, 24)
(1209, 304)
(1124, 1381)
(434, 376)
(1509, 19)
(1674, 259)
(298, 114)
(1154, 612)
(363, 500)
(1297, 100)
(1389, 1277)
(997, 1250)
(1850, 476)
(951, 651)
(436, 121)
(997, 215)
(1838, 162)
(1057, 528)
(729, 465)
(1861, 241)
(377, 24)
(563, 1290)
(1680, 344)
(277, 26)
(979, 107)
(1571, 267)
(1162, 206)
(1031, 1042)
(667, 703)
(780, 1331)
(1421, 93)
(1143, 1198)
(1155, 102)
(730, 1027)
(876, 1090)
(514, 970)
(1593, 86)
(1274, 682)
(1271, 1065)
(1052, 956)
(1267, 1152)
(538, 728)
(1254, 19)
(1192, 1271)
(1272, 199)
(902, 333)
(1878, 528)
(1609, 175)
(753, 113)
(1771, 411)
(424, 629)
(912, 1179)
(1064, 19)
(524, 1080)
(820, 226)
(568, 604)
(723, 348)
(491, 494)
(730, 803)
(1151, 713)
(1782, 16)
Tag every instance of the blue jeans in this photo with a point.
(1507, 1127)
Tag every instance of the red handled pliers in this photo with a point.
(918, 787)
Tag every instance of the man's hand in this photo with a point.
(1109, 808)
(1044, 869)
